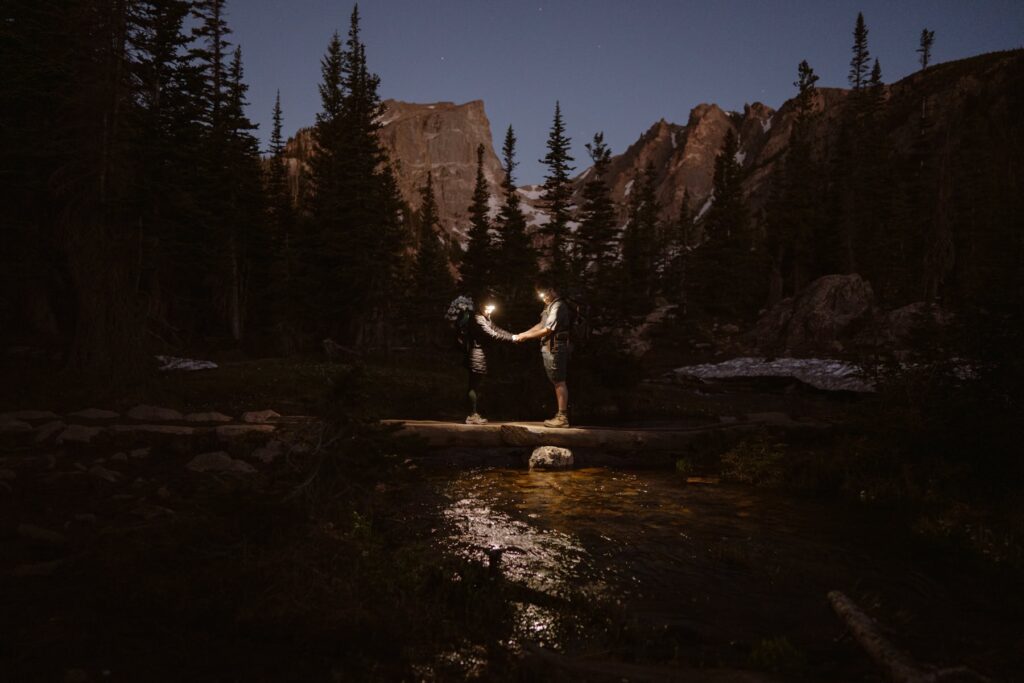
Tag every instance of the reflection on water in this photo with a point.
(713, 567)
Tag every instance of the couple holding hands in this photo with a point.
(475, 331)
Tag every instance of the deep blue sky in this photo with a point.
(616, 66)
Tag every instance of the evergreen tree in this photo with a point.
(249, 250)
(356, 236)
(515, 260)
(639, 242)
(432, 281)
(170, 123)
(792, 215)
(557, 196)
(861, 57)
(727, 274)
(673, 258)
(477, 261)
(595, 237)
(924, 48)
(281, 216)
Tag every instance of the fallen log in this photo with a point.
(532, 435)
(898, 666)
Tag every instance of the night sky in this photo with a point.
(615, 66)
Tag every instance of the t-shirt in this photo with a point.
(556, 316)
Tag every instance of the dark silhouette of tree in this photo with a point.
(728, 270)
(859, 63)
(557, 196)
(433, 286)
(596, 245)
(640, 242)
(477, 261)
(924, 48)
(515, 260)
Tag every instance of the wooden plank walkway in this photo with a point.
(533, 434)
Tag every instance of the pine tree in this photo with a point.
(639, 242)
(557, 196)
(432, 281)
(924, 49)
(356, 235)
(728, 270)
(249, 250)
(792, 217)
(281, 216)
(861, 57)
(477, 261)
(595, 237)
(515, 261)
(674, 256)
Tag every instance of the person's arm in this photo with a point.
(538, 331)
(492, 330)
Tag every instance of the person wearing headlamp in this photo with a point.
(553, 331)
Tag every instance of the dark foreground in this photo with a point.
(353, 555)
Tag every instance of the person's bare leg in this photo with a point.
(562, 395)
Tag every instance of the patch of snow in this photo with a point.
(585, 173)
(629, 188)
(766, 125)
(531, 191)
(494, 205)
(673, 139)
(538, 219)
(821, 373)
(704, 209)
(572, 226)
(172, 363)
(740, 157)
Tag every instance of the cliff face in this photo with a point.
(441, 137)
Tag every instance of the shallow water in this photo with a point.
(702, 573)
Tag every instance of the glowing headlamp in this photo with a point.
(488, 309)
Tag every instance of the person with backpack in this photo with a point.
(553, 330)
(474, 331)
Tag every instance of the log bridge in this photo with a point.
(534, 434)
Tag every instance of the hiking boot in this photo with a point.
(559, 420)
(475, 419)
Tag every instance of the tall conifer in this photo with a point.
(557, 196)
(477, 261)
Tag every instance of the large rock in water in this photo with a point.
(828, 312)
(551, 458)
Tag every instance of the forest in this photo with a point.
(142, 219)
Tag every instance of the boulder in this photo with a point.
(260, 416)
(218, 461)
(101, 472)
(228, 432)
(144, 413)
(79, 434)
(270, 452)
(831, 310)
(898, 328)
(95, 415)
(37, 534)
(49, 430)
(29, 415)
(148, 429)
(10, 426)
(207, 418)
(551, 458)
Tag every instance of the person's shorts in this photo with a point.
(556, 359)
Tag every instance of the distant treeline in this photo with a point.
(139, 211)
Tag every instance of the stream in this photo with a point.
(648, 566)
